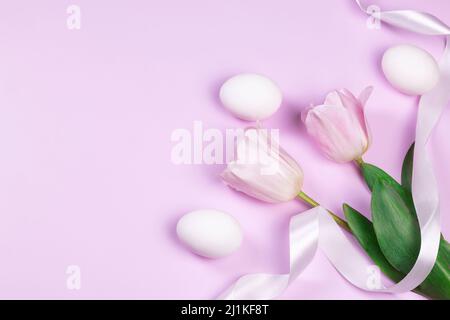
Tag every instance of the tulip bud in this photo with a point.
(339, 125)
(263, 170)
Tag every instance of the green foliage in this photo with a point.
(392, 239)
(363, 230)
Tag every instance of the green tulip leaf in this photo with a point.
(363, 231)
(395, 224)
(372, 174)
(398, 234)
(407, 169)
(392, 241)
(437, 284)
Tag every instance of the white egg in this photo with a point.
(251, 96)
(410, 70)
(210, 233)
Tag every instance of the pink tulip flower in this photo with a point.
(339, 125)
(262, 169)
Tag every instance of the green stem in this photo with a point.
(359, 161)
(313, 203)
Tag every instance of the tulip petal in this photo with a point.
(340, 126)
(263, 170)
(365, 95)
(333, 99)
(356, 108)
(335, 130)
(363, 98)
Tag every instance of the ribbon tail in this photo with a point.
(303, 242)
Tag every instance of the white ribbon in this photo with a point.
(308, 231)
(315, 229)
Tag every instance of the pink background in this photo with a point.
(86, 118)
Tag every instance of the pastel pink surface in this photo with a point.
(86, 117)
